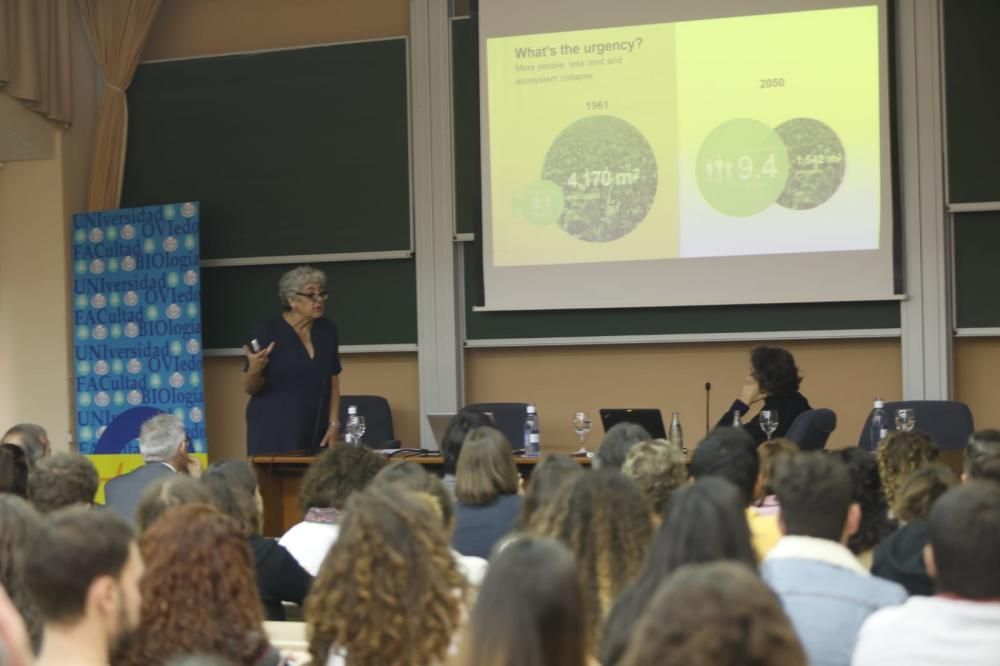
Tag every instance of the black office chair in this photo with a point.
(379, 433)
(812, 428)
(949, 422)
(509, 418)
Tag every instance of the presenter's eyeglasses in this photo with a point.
(318, 296)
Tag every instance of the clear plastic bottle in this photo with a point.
(880, 424)
(351, 425)
(676, 434)
(532, 434)
(736, 419)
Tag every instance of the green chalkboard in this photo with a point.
(373, 302)
(973, 97)
(977, 280)
(302, 151)
(587, 323)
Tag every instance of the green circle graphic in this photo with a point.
(608, 176)
(541, 203)
(816, 163)
(742, 167)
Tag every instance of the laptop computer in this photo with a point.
(650, 419)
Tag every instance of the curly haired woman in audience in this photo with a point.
(771, 453)
(166, 493)
(719, 613)
(604, 520)
(547, 479)
(898, 454)
(388, 593)
(658, 469)
(198, 592)
(18, 520)
(867, 492)
(529, 611)
(704, 522)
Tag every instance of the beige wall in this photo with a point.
(977, 378)
(842, 375)
(37, 199)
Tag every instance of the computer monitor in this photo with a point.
(650, 419)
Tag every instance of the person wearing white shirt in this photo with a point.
(961, 625)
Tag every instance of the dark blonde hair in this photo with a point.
(899, 454)
(166, 493)
(658, 468)
(719, 613)
(486, 468)
(918, 491)
(389, 592)
(336, 473)
(547, 479)
(770, 452)
(603, 518)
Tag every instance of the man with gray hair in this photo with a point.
(32, 438)
(164, 447)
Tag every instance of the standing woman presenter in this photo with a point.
(294, 378)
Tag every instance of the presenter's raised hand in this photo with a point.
(258, 360)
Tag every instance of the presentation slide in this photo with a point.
(634, 150)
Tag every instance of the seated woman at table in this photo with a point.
(486, 487)
(774, 379)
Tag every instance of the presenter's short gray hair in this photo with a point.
(160, 436)
(296, 280)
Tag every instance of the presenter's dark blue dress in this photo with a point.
(291, 411)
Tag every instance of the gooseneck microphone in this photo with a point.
(708, 406)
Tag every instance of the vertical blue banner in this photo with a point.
(136, 328)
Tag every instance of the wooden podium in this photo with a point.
(280, 477)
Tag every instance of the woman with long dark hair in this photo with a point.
(703, 522)
(529, 611)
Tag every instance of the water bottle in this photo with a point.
(532, 436)
(880, 424)
(736, 419)
(351, 426)
(676, 434)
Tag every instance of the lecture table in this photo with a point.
(280, 477)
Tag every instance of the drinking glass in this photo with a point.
(768, 421)
(581, 424)
(906, 420)
(360, 429)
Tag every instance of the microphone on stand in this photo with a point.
(708, 406)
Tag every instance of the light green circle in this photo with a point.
(742, 167)
(541, 202)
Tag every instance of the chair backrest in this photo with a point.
(509, 418)
(378, 418)
(949, 422)
(812, 428)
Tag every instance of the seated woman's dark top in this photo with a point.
(900, 558)
(279, 576)
(788, 406)
(479, 527)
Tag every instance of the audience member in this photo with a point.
(867, 493)
(900, 556)
(547, 479)
(198, 592)
(826, 592)
(658, 468)
(774, 378)
(717, 614)
(18, 521)
(617, 442)
(603, 518)
(13, 470)
(166, 493)
(32, 438)
(898, 454)
(529, 611)
(411, 477)
(83, 570)
(961, 625)
(486, 487)
(704, 522)
(460, 425)
(732, 454)
(389, 591)
(329, 481)
(15, 644)
(61, 480)
(233, 487)
(982, 456)
(164, 448)
(770, 453)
